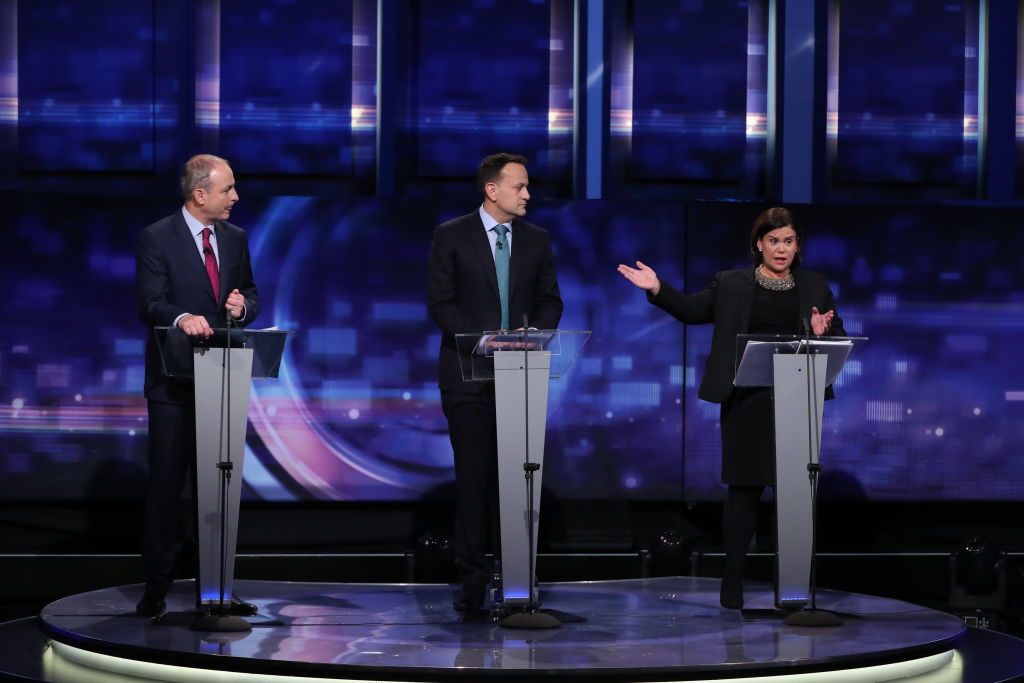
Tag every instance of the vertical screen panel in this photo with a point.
(688, 93)
(1019, 128)
(482, 77)
(85, 82)
(8, 85)
(285, 92)
(903, 92)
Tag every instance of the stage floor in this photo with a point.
(629, 630)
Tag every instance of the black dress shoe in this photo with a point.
(730, 596)
(241, 608)
(151, 605)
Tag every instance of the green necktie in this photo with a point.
(501, 258)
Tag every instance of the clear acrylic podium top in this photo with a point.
(754, 353)
(176, 348)
(477, 349)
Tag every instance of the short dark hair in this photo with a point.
(196, 173)
(773, 219)
(490, 167)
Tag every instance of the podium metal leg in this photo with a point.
(517, 562)
(214, 422)
(797, 443)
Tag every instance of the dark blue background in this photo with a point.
(352, 134)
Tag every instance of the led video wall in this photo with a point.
(929, 409)
(903, 102)
(100, 100)
(688, 97)
(475, 77)
(356, 413)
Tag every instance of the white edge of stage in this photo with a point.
(65, 663)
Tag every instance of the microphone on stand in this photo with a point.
(813, 438)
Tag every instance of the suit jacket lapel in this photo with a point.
(515, 264)
(745, 301)
(187, 244)
(481, 247)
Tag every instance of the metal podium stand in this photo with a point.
(520, 365)
(222, 409)
(798, 383)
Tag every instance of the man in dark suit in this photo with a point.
(192, 270)
(487, 270)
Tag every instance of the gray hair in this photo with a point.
(196, 173)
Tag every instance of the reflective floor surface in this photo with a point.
(655, 629)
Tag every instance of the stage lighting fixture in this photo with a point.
(668, 554)
(978, 581)
(434, 558)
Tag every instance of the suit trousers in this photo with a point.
(472, 428)
(172, 456)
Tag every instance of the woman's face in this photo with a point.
(779, 248)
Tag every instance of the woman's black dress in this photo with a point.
(747, 420)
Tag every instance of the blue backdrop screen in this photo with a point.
(930, 409)
(688, 94)
(283, 93)
(883, 131)
(91, 107)
(482, 77)
(356, 412)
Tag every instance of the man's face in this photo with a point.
(219, 195)
(509, 193)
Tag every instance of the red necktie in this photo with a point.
(211, 264)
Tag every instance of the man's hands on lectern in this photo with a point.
(510, 345)
(195, 326)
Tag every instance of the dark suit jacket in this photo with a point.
(171, 279)
(462, 288)
(727, 303)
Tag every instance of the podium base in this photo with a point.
(531, 620)
(813, 617)
(221, 623)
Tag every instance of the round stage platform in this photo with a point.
(661, 629)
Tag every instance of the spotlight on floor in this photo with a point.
(977, 588)
(433, 559)
(668, 555)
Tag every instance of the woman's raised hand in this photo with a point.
(641, 276)
(820, 322)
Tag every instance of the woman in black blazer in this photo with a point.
(774, 297)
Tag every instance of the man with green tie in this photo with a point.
(487, 270)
